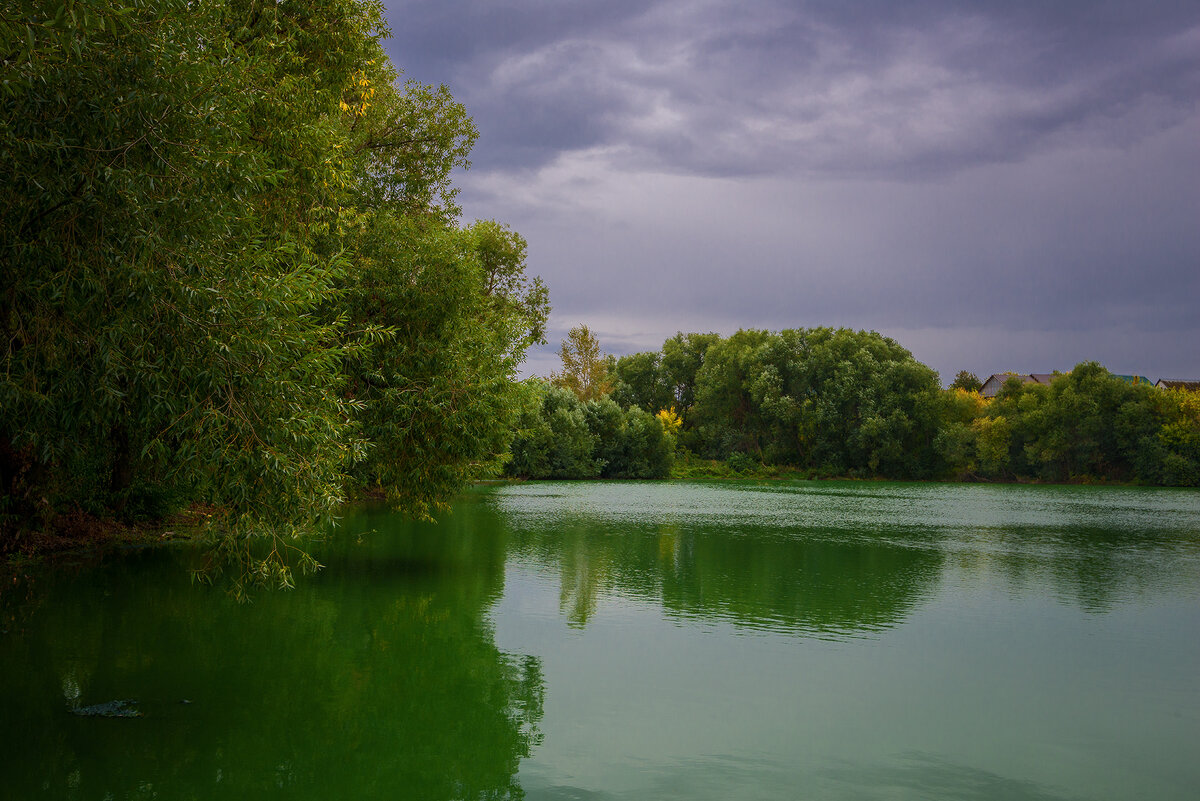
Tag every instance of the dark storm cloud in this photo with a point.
(868, 88)
(999, 185)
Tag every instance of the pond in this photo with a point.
(624, 640)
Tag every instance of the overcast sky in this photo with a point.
(1002, 185)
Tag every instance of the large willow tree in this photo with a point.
(231, 270)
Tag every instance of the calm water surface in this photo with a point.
(640, 641)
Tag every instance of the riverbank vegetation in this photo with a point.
(827, 402)
(232, 273)
(233, 277)
(561, 436)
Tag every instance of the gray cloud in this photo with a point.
(724, 89)
(1012, 185)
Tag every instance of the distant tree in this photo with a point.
(993, 438)
(1089, 424)
(968, 381)
(682, 357)
(553, 439)
(560, 436)
(670, 421)
(724, 413)
(1172, 455)
(957, 438)
(639, 381)
(630, 443)
(584, 370)
(843, 402)
(836, 400)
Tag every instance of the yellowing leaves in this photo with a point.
(359, 99)
(670, 421)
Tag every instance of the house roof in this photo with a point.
(996, 380)
(1179, 383)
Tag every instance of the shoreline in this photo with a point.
(83, 534)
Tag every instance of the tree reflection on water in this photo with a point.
(380, 678)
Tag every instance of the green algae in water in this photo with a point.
(642, 640)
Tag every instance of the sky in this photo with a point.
(996, 184)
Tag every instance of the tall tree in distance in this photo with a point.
(584, 370)
(967, 381)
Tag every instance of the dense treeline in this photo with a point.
(561, 436)
(854, 403)
(231, 271)
(838, 401)
(1087, 424)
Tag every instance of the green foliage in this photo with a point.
(822, 400)
(1170, 455)
(967, 381)
(552, 438)
(640, 380)
(835, 402)
(560, 436)
(651, 450)
(844, 401)
(993, 437)
(584, 368)
(1086, 425)
(957, 438)
(630, 443)
(682, 357)
(724, 415)
(606, 424)
(440, 318)
(230, 273)
(166, 166)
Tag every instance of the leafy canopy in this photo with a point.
(231, 273)
(584, 368)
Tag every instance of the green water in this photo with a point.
(640, 641)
